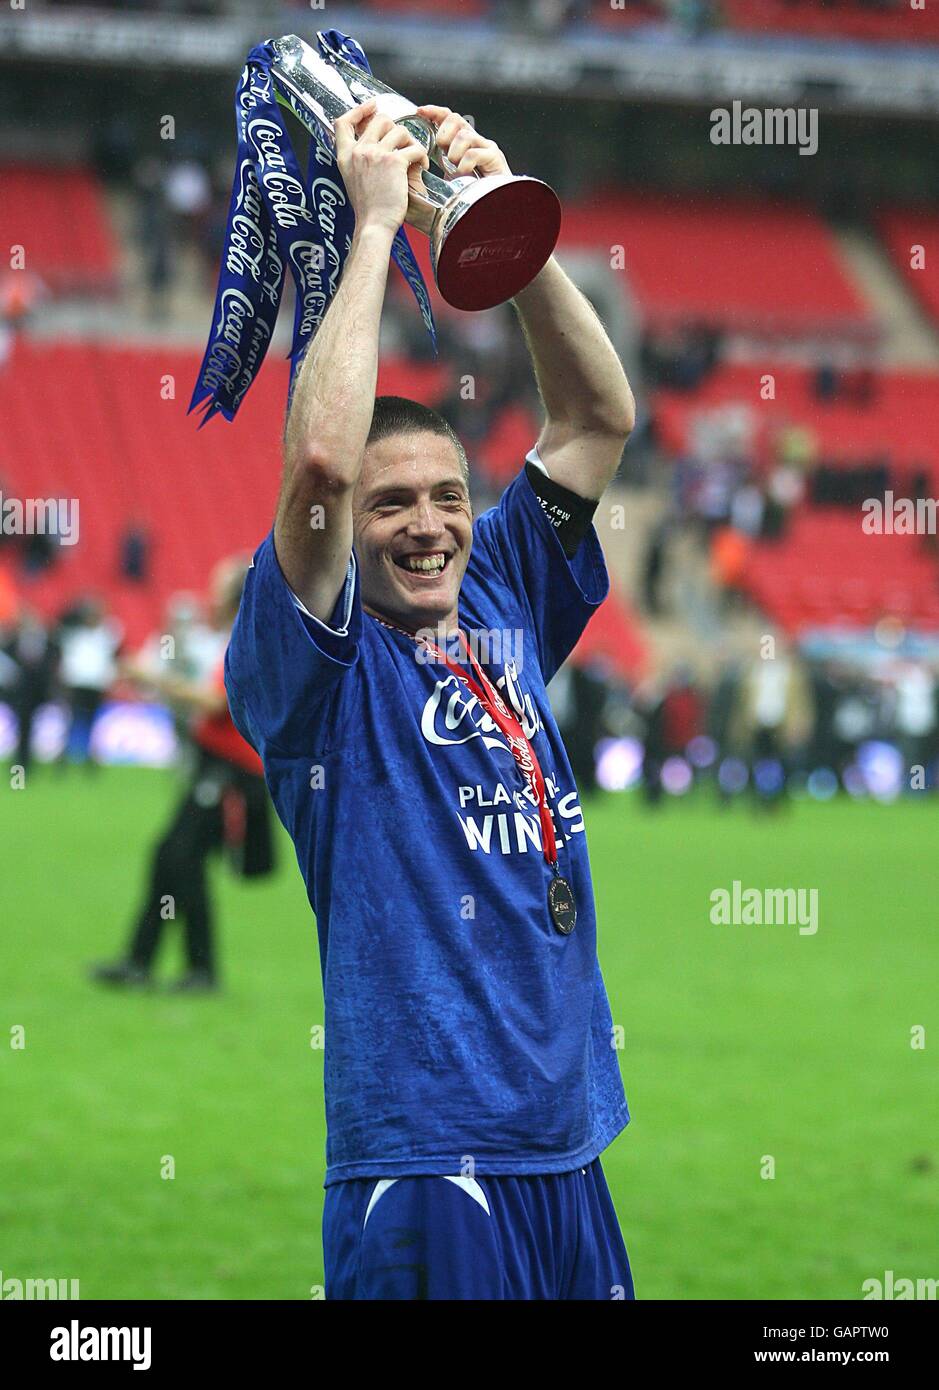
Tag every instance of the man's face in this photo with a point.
(413, 529)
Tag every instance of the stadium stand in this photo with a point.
(899, 422)
(881, 21)
(902, 231)
(874, 21)
(826, 569)
(432, 9)
(744, 265)
(108, 423)
(828, 572)
(107, 434)
(59, 214)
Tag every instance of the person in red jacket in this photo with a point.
(225, 803)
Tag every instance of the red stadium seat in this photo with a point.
(902, 231)
(827, 570)
(740, 264)
(88, 421)
(900, 422)
(898, 22)
(59, 215)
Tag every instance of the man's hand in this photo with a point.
(379, 162)
(463, 146)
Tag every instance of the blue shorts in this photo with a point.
(551, 1236)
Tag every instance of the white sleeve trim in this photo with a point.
(534, 457)
(348, 592)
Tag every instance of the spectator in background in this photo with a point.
(194, 645)
(681, 355)
(672, 721)
(723, 701)
(7, 543)
(225, 802)
(199, 642)
(785, 489)
(748, 509)
(9, 596)
(846, 713)
(584, 688)
(921, 489)
(795, 451)
(89, 642)
(857, 385)
(730, 552)
(20, 293)
(135, 552)
(695, 17)
(471, 409)
(35, 659)
(39, 552)
(722, 448)
(188, 191)
(653, 565)
(153, 233)
(829, 681)
(773, 718)
(915, 715)
(796, 447)
(825, 381)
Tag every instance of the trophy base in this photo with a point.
(491, 239)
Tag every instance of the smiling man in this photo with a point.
(411, 515)
(471, 1082)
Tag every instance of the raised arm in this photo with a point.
(589, 407)
(334, 394)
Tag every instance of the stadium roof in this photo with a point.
(651, 63)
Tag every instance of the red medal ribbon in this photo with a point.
(519, 742)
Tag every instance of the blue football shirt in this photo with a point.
(459, 1023)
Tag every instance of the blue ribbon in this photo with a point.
(278, 222)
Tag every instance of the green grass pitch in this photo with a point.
(738, 1042)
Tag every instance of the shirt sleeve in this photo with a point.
(283, 664)
(560, 594)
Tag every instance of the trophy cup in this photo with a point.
(489, 235)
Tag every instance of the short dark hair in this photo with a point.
(398, 415)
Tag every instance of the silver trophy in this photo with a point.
(489, 235)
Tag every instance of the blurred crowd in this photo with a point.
(768, 727)
(80, 660)
(762, 726)
(735, 483)
(181, 204)
(73, 661)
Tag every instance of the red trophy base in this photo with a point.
(491, 239)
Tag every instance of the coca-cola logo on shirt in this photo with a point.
(453, 715)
